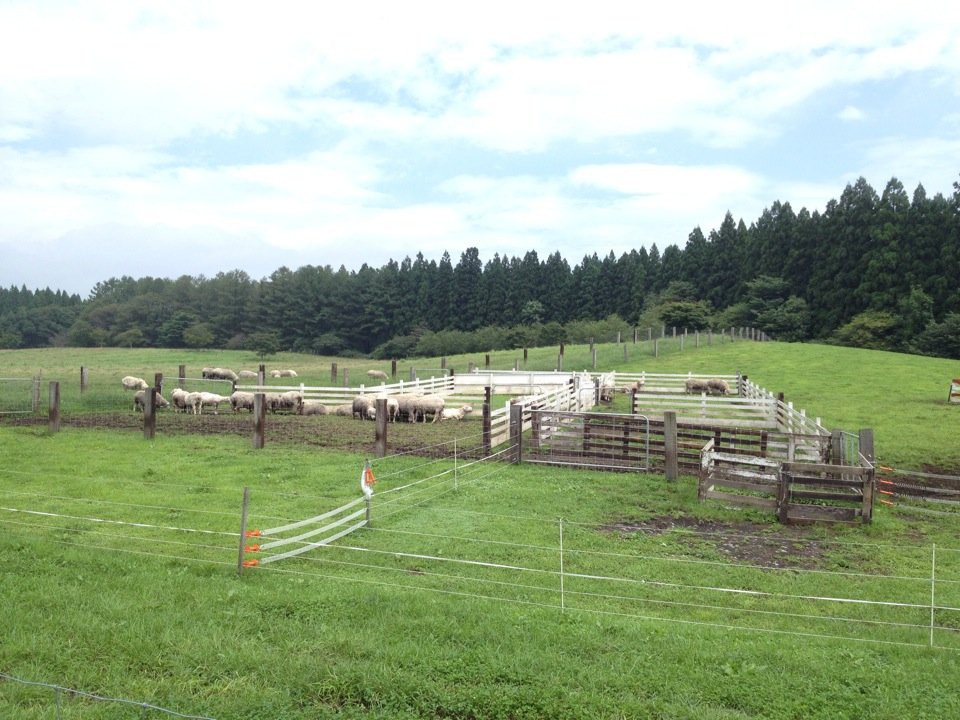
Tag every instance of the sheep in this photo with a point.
(313, 407)
(715, 386)
(283, 373)
(345, 410)
(291, 400)
(635, 386)
(362, 405)
(393, 408)
(450, 414)
(376, 374)
(140, 400)
(247, 374)
(406, 405)
(179, 399)
(209, 398)
(696, 386)
(133, 383)
(428, 404)
(219, 374)
(242, 401)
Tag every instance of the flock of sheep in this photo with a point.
(408, 406)
(712, 386)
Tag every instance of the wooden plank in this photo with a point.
(744, 485)
(820, 512)
(797, 467)
(752, 501)
(819, 495)
(825, 482)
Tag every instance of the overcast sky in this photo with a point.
(189, 138)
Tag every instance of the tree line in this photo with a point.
(871, 270)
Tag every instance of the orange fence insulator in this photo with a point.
(885, 502)
(251, 563)
(253, 533)
(256, 548)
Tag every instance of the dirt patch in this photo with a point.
(751, 543)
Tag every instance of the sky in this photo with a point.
(184, 138)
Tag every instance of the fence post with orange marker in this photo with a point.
(367, 481)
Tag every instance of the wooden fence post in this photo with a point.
(593, 351)
(443, 363)
(262, 375)
(671, 464)
(259, 420)
(393, 369)
(525, 356)
(591, 344)
(681, 341)
(560, 362)
(866, 444)
(656, 348)
(333, 373)
(158, 381)
(783, 496)
(84, 379)
(516, 365)
(181, 376)
(36, 395)
(635, 335)
(346, 377)
(625, 352)
(561, 349)
(53, 410)
(486, 361)
(150, 413)
(380, 443)
(633, 401)
(486, 420)
(516, 431)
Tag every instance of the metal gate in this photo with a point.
(600, 441)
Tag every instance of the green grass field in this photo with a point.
(112, 590)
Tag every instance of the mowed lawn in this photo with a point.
(114, 589)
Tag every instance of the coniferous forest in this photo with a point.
(873, 270)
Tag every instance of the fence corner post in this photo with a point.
(783, 496)
(486, 420)
(150, 414)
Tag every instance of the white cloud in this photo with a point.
(851, 113)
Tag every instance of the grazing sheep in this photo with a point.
(376, 374)
(291, 400)
(133, 383)
(140, 400)
(247, 374)
(209, 398)
(313, 407)
(345, 410)
(696, 386)
(450, 414)
(406, 406)
(283, 373)
(242, 401)
(362, 405)
(428, 404)
(715, 386)
(192, 401)
(179, 399)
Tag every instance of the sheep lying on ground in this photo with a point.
(313, 407)
(377, 374)
(715, 386)
(291, 400)
(450, 414)
(697, 386)
(428, 405)
(133, 383)
(283, 373)
(219, 374)
(140, 400)
(248, 374)
(345, 410)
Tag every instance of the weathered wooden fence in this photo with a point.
(603, 441)
(794, 491)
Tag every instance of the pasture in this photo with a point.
(481, 591)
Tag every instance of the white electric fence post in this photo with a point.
(562, 602)
(455, 464)
(243, 527)
(933, 587)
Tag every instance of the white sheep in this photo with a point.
(291, 400)
(219, 374)
(283, 373)
(247, 374)
(376, 374)
(362, 405)
(140, 400)
(179, 399)
(133, 383)
(428, 404)
(635, 386)
(458, 414)
(406, 406)
(242, 401)
(345, 410)
(209, 398)
(313, 407)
